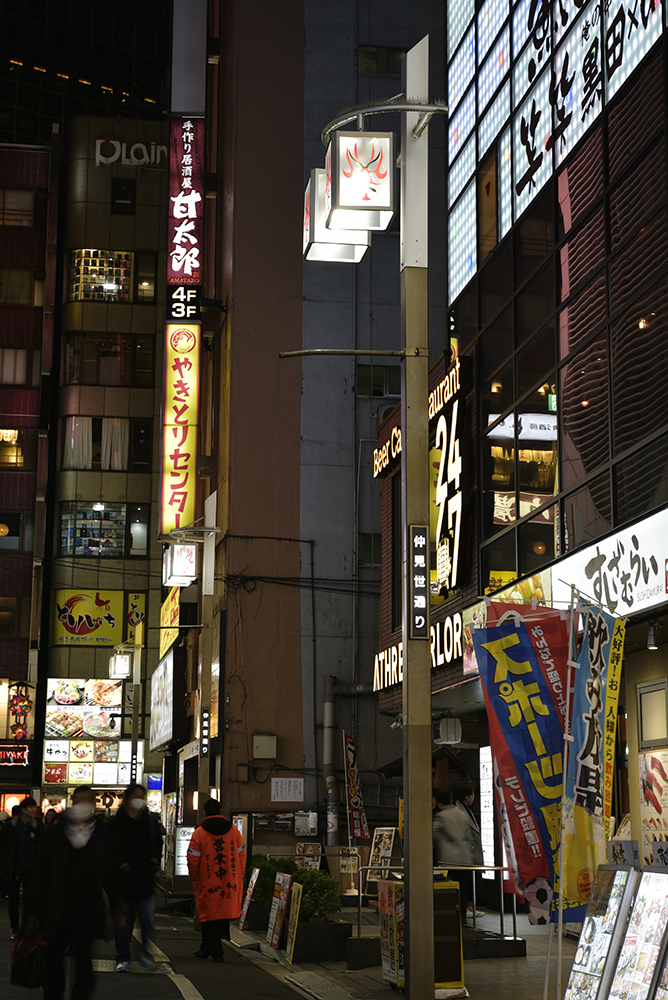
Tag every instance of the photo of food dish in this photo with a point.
(107, 693)
(106, 752)
(81, 750)
(64, 721)
(64, 691)
(102, 724)
(589, 930)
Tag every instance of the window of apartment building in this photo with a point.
(100, 275)
(17, 530)
(144, 290)
(17, 207)
(379, 60)
(21, 286)
(397, 553)
(18, 448)
(378, 380)
(369, 549)
(107, 443)
(109, 359)
(20, 366)
(113, 530)
(123, 196)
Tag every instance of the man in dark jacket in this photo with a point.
(19, 846)
(138, 845)
(76, 869)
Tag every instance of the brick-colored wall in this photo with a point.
(24, 168)
(20, 326)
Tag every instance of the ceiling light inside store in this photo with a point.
(642, 324)
(585, 402)
(539, 548)
(496, 387)
(652, 629)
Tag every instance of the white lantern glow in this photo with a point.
(319, 242)
(120, 665)
(359, 174)
(179, 565)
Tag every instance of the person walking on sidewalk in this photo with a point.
(216, 863)
(20, 838)
(76, 868)
(465, 796)
(138, 845)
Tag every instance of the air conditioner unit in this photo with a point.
(384, 412)
(448, 731)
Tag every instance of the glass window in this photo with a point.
(13, 448)
(463, 318)
(107, 443)
(640, 395)
(641, 481)
(376, 60)
(637, 193)
(16, 531)
(498, 477)
(497, 395)
(369, 549)
(397, 547)
(21, 286)
(534, 304)
(487, 207)
(641, 259)
(536, 541)
(140, 442)
(496, 343)
(537, 447)
(581, 182)
(498, 563)
(17, 208)
(536, 360)
(109, 359)
(145, 277)
(111, 530)
(587, 513)
(583, 252)
(583, 315)
(585, 422)
(13, 365)
(378, 380)
(534, 236)
(100, 275)
(123, 194)
(8, 617)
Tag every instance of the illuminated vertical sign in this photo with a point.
(180, 439)
(185, 226)
(419, 582)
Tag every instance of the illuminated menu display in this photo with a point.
(530, 79)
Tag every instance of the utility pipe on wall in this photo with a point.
(332, 689)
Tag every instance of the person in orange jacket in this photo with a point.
(216, 863)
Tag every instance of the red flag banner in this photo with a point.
(357, 824)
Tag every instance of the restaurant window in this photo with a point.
(20, 366)
(17, 529)
(100, 275)
(378, 380)
(123, 195)
(114, 531)
(369, 549)
(144, 277)
(109, 359)
(397, 553)
(17, 207)
(107, 443)
(21, 286)
(16, 445)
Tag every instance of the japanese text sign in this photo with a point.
(186, 201)
(180, 426)
(419, 581)
(357, 822)
(88, 617)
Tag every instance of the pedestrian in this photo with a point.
(4, 882)
(465, 795)
(19, 846)
(138, 846)
(76, 869)
(452, 847)
(216, 863)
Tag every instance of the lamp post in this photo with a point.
(416, 114)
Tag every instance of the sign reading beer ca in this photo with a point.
(180, 438)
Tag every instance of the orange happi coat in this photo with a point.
(216, 862)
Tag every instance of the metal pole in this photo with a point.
(514, 897)
(136, 698)
(567, 739)
(501, 926)
(418, 848)
(546, 982)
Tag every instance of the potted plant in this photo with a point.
(257, 917)
(317, 937)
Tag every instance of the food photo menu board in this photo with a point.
(80, 709)
(90, 762)
(637, 962)
(602, 933)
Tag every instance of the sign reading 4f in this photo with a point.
(450, 501)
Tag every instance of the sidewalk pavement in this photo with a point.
(254, 971)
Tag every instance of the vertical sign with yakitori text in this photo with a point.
(185, 226)
(180, 425)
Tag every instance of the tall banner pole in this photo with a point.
(567, 739)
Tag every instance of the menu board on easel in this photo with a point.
(249, 895)
(638, 966)
(602, 932)
(279, 905)
(385, 848)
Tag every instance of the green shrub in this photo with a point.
(320, 894)
(264, 887)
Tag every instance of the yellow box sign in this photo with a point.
(169, 620)
(88, 617)
(180, 426)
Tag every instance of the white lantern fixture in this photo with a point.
(120, 666)
(179, 564)
(320, 243)
(359, 175)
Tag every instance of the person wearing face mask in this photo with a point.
(19, 845)
(76, 869)
(138, 845)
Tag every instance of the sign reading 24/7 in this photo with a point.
(449, 500)
(419, 585)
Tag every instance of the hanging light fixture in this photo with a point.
(120, 666)
(179, 564)
(359, 169)
(321, 243)
(652, 629)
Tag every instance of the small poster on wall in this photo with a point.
(653, 776)
(308, 855)
(278, 907)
